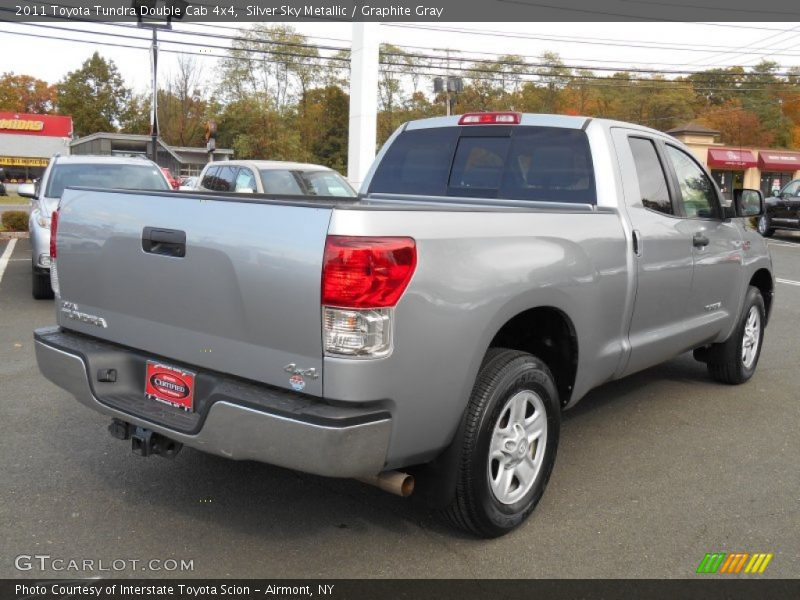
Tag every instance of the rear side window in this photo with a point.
(417, 162)
(652, 181)
(546, 164)
(280, 182)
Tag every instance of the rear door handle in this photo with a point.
(166, 242)
(699, 240)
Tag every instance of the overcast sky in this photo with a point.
(679, 45)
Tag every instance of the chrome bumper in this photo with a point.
(243, 433)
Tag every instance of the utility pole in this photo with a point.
(154, 102)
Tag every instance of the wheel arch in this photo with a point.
(762, 279)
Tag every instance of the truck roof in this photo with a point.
(275, 165)
(81, 159)
(536, 120)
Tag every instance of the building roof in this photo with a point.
(692, 128)
(175, 151)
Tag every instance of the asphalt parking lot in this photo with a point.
(653, 472)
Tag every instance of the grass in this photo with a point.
(12, 198)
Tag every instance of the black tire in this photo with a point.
(725, 361)
(503, 375)
(763, 226)
(41, 286)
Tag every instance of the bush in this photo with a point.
(15, 220)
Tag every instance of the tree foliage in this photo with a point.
(94, 95)
(26, 94)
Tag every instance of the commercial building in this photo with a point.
(737, 167)
(28, 141)
(179, 160)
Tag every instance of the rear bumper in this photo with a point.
(285, 429)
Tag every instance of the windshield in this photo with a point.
(119, 176)
(312, 183)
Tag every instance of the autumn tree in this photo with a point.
(26, 94)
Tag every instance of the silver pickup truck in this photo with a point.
(495, 268)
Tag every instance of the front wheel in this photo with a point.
(511, 434)
(735, 360)
(764, 226)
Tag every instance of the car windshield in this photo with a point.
(119, 176)
(313, 183)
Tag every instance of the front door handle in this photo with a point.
(699, 240)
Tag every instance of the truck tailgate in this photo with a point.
(244, 298)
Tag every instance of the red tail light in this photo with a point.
(53, 231)
(366, 272)
(491, 118)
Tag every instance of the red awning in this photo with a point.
(732, 159)
(778, 160)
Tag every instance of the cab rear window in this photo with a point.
(546, 164)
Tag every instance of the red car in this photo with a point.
(173, 182)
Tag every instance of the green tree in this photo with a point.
(94, 95)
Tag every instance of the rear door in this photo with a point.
(243, 296)
(663, 252)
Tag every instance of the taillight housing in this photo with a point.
(53, 231)
(491, 118)
(362, 279)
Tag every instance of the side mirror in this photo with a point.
(26, 190)
(748, 203)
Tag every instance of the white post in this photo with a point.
(363, 101)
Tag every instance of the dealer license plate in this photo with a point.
(169, 384)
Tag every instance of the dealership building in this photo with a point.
(178, 159)
(28, 141)
(736, 167)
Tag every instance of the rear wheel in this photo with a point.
(764, 226)
(735, 360)
(41, 286)
(511, 434)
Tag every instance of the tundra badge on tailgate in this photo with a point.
(71, 311)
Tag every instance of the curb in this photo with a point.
(8, 235)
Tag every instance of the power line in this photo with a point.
(595, 41)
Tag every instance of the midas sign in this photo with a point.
(20, 125)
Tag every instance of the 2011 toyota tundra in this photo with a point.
(495, 268)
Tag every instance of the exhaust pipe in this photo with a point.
(394, 482)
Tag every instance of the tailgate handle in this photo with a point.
(167, 242)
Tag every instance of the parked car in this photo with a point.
(3, 189)
(782, 210)
(274, 177)
(84, 171)
(189, 183)
(495, 268)
(174, 183)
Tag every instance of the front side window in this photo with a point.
(246, 181)
(652, 181)
(697, 191)
(791, 190)
(98, 175)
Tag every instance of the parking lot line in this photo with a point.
(787, 281)
(784, 244)
(6, 256)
